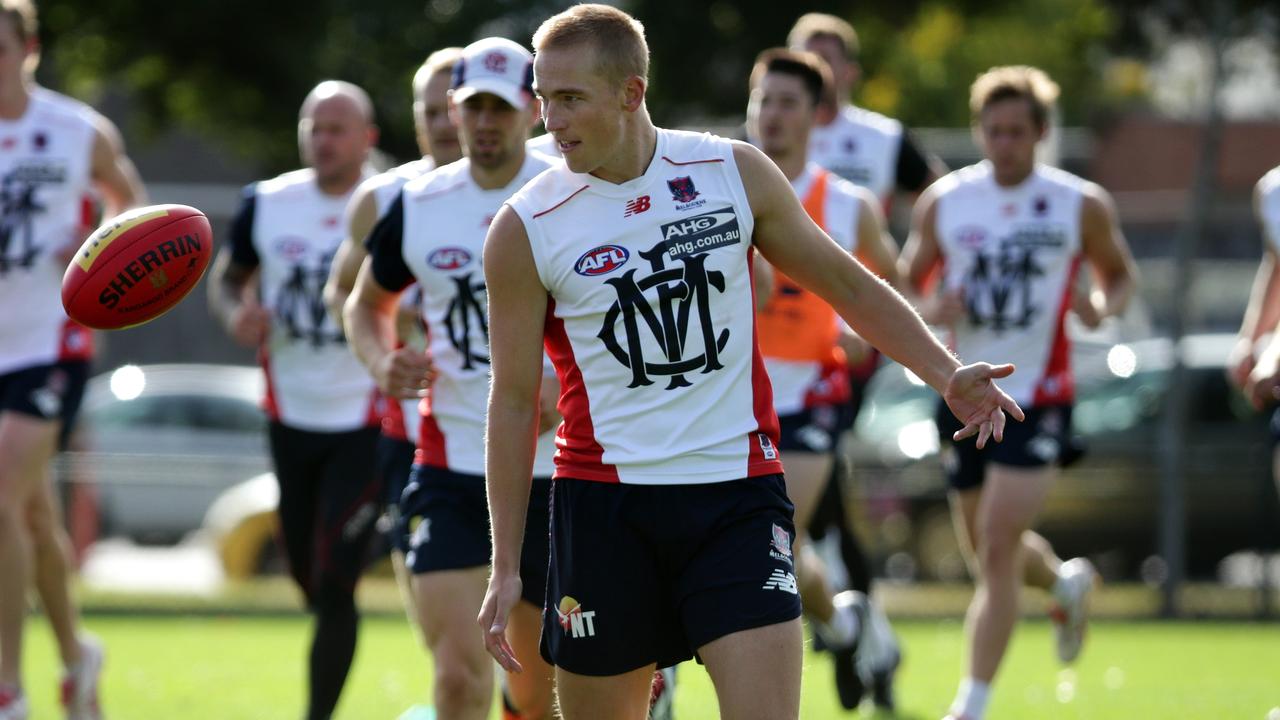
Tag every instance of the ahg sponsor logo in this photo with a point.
(701, 233)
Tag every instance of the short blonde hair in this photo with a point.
(812, 25)
(1013, 82)
(440, 61)
(618, 38)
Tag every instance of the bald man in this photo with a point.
(267, 290)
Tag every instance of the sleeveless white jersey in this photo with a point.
(314, 382)
(45, 164)
(1269, 207)
(792, 379)
(385, 188)
(1014, 252)
(651, 321)
(446, 219)
(860, 146)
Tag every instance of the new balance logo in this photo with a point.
(637, 206)
(781, 580)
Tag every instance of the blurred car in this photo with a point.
(1105, 506)
(161, 442)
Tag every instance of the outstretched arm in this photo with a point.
(799, 248)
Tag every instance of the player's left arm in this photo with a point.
(1115, 275)
(796, 246)
(362, 214)
(875, 249)
(112, 170)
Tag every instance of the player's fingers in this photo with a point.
(1010, 406)
(965, 432)
(997, 425)
(999, 371)
(984, 433)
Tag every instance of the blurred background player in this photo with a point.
(878, 153)
(433, 234)
(1008, 236)
(54, 152)
(800, 334)
(438, 143)
(1259, 334)
(320, 401)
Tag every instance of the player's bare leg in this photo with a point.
(53, 568)
(756, 672)
(532, 691)
(26, 444)
(1040, 562)
(806, 477)
(613, 697)
(447, 602)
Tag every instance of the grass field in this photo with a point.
(242, 668)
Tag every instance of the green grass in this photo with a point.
(234, 668)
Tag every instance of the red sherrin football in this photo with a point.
(137, 266)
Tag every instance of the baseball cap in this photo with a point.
(495, 65)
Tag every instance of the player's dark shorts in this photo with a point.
(812, 430)
(395, 461)
(330, 495)
(448, 514)
(1044, 438)
(646, 574)
(1275, 426)
(47, 392)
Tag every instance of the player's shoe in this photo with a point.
(1070, 613)
(13, 704)
(80, 684)
(879, 656)
(849, 685)
(662, 694)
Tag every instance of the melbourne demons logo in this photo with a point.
(682, 189)
(683, 294)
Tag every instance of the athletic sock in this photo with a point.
(1060, 589)
(971, 699)
(843, 628)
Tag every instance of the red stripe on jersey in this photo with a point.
(431, 450)
(559, 204)
(75, 342)
(691, 162)
(578, 453)
(393, 419)
(377, 403)
(763, 457)
(1057, 387)
(269, 397)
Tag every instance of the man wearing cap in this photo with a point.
(433, 234)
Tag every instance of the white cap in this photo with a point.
(494, 65)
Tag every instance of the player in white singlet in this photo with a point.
(1260, 330)
(438, 142)
(861, 146)
(433, 235)
(54, 153)
(1009, 235)
(671, 531)
(800, 336)
(321, 403)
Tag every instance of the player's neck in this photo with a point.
(1012, 177)
(638, 148)
(339, 183)
(499, 177)
(14, 101)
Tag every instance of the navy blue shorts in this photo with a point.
(449, 519)
(395, 461)
(812, 430)
(1044, 438)
(47, 392)
(645, 574)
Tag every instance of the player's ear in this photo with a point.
(374, 134)
(453, 111)
(633, 93)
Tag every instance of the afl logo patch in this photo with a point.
(448, 258)
(601, 260)
(292, 249)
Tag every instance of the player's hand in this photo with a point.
(944, 308)
(404, 373)
(976, 400)
(250, 323)
(1240, 362)
(501, 597)
(856, 349)
(1083, 306)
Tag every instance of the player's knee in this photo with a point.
(461, 684)
(998, 550)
